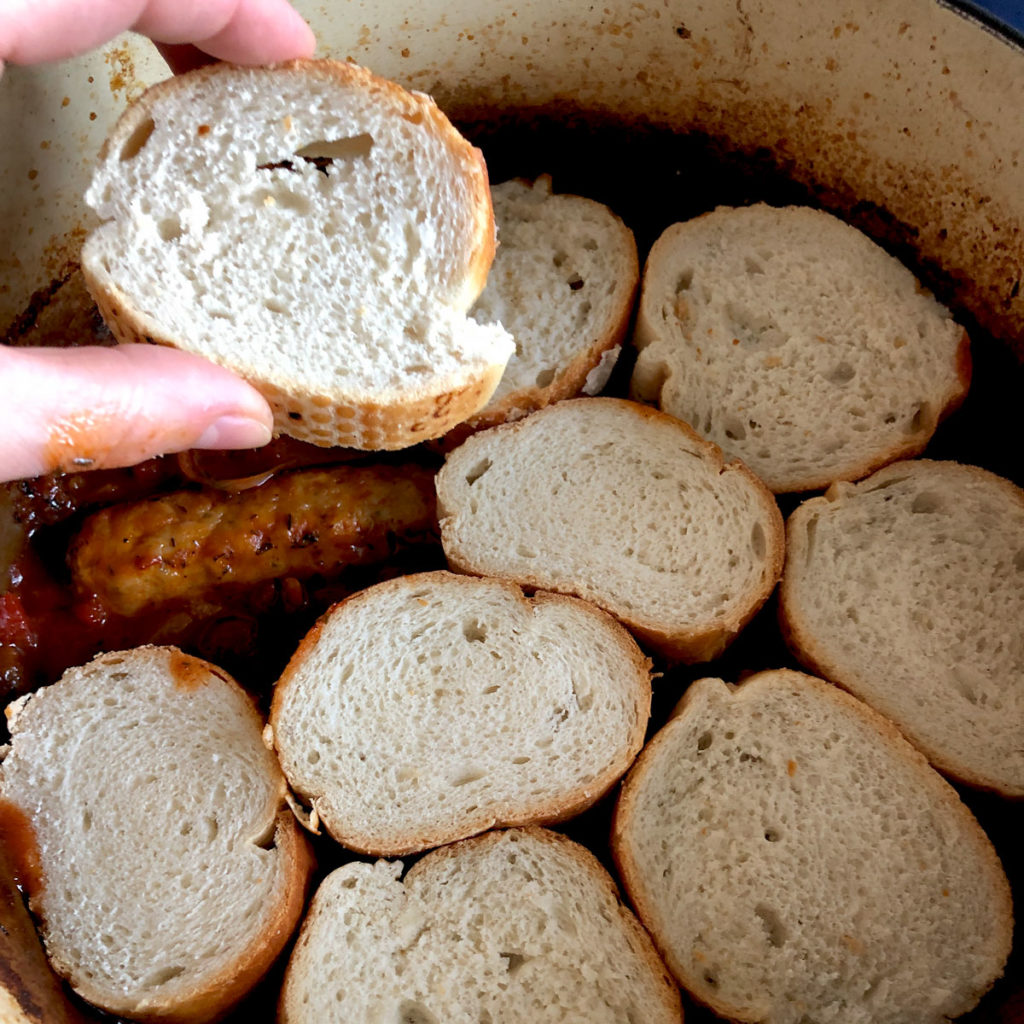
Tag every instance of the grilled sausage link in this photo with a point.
(188, 544)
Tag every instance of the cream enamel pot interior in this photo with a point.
(903, 115)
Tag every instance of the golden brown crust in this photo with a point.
(393, 418)
(517, 812)
(639, 939)
(675, 644)
(889, 737)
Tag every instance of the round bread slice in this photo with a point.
(518, 926)
(623, 506)
(171, 871)
(907, 589)
(314, 228)
(796, 859)
(563, 284)
(796, 344)
(432, 707)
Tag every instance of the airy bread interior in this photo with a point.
(562, 285)
(908, 590)
(432, 707)
(518, 926)
(620, 505)
(795, 343)
(796, 859)
(171, 870)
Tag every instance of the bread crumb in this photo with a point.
(287, 123)
(791, 768)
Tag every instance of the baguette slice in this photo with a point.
(172, 872)
(518, 926)
(620, 505)
(563, 284)
(907, 589)
(432, 707)
(797, 860)
(796, 344)
(318, 230)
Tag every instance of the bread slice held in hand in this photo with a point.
(314, 228)
(432, 707)
(172, 872)
(796, 859)
(518, 926)
(796, 344)
(620, 505)
(562, 284)
(907, 589)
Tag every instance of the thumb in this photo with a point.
(92, 408)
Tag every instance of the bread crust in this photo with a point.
(218, 993)
(675, 644)
(333, 416)
(801, 641)
(888, 736)
(513, 813)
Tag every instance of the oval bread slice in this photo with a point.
(907, 589)
(795, 859)
(518, 926)
(623, 506)
(172, 872)
(314, 228)
(432, 707)
(562, 284)
(795, 343)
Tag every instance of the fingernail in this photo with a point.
(234, 432)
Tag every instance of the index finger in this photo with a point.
(243, 31)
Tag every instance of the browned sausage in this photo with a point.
(187, 544)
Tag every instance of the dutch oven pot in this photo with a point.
(903, 116)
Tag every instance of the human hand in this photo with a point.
(93, 407)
